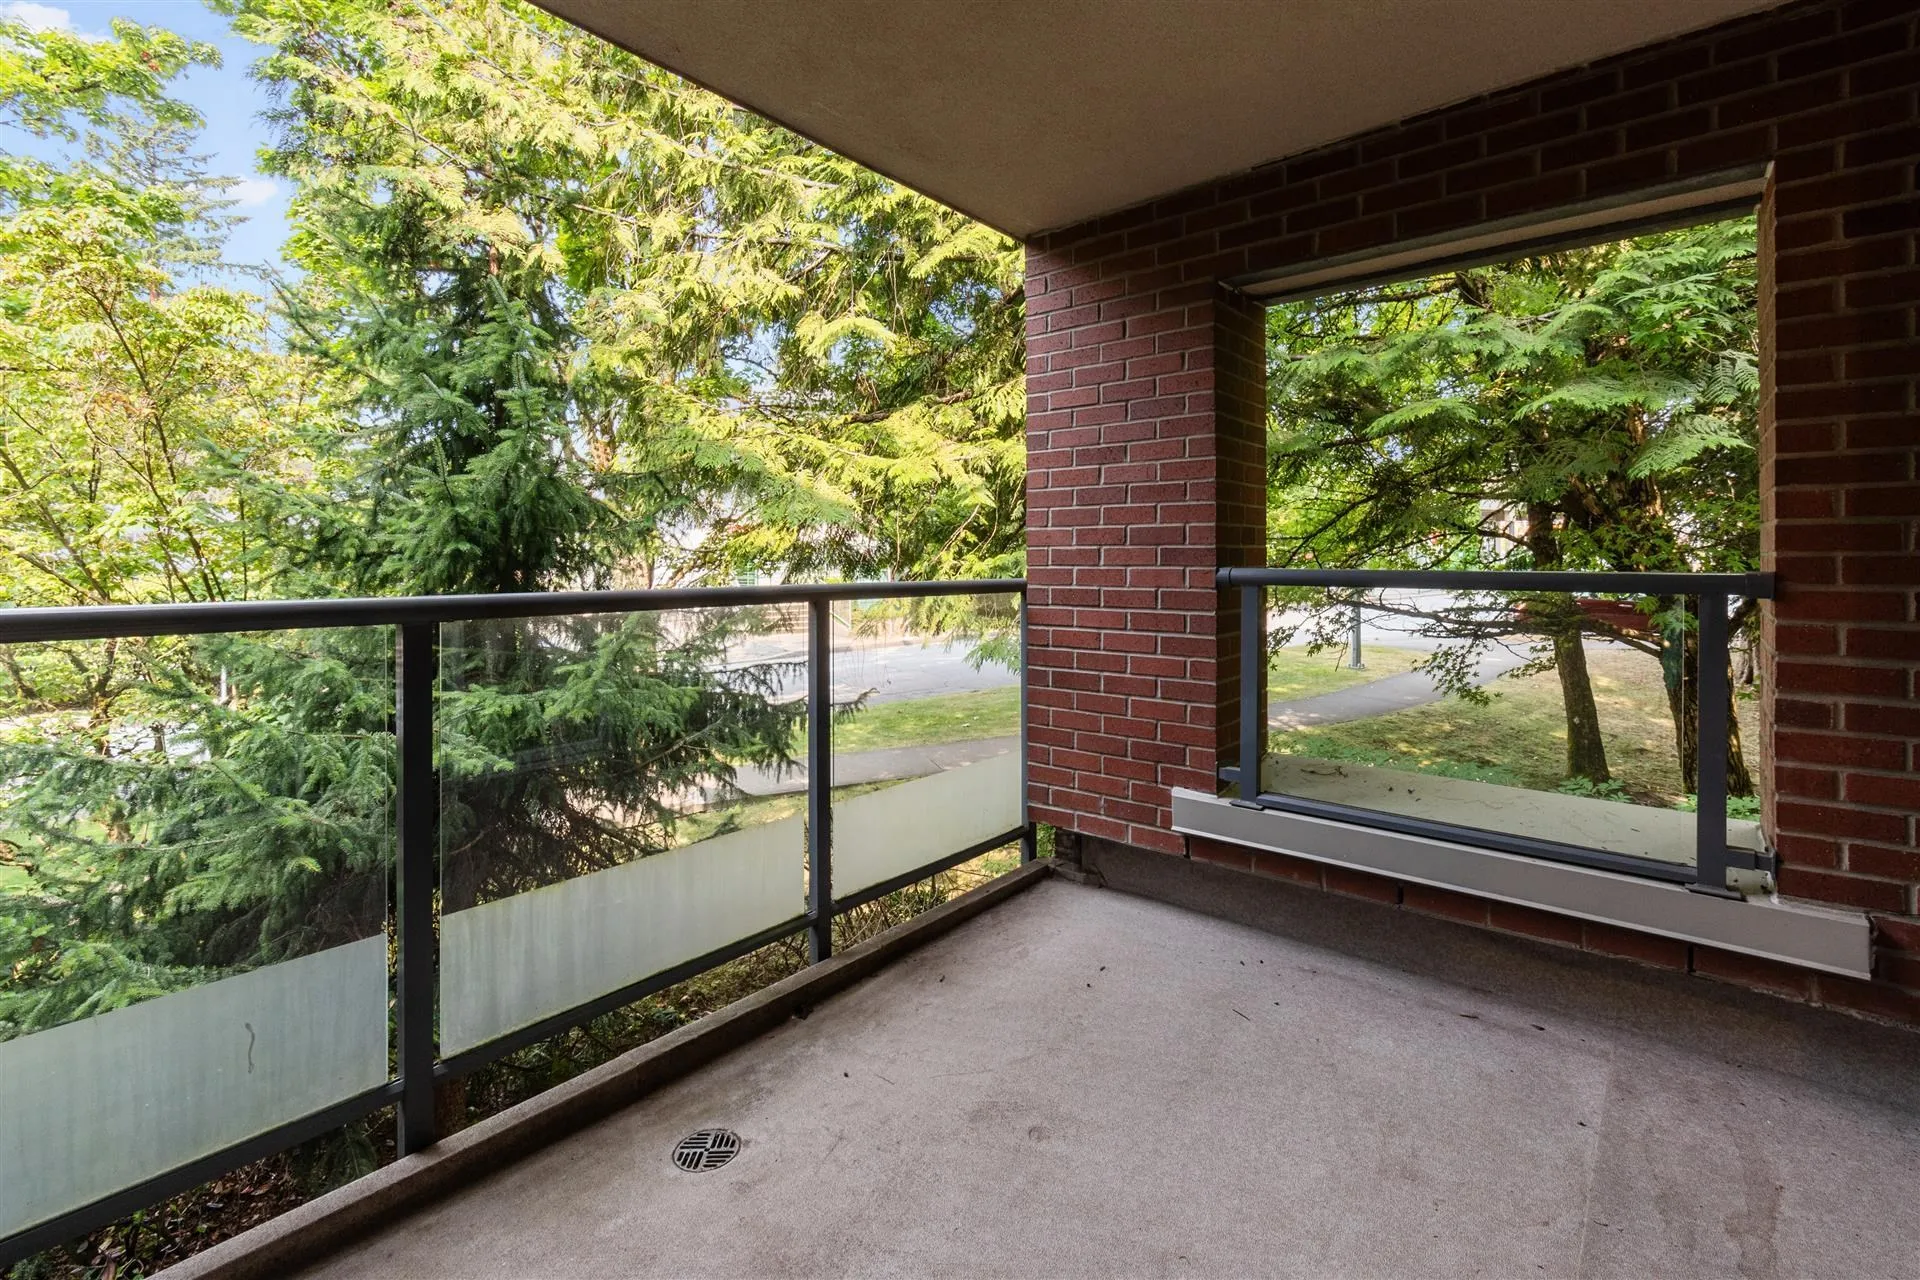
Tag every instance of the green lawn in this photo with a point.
(946, 717)
(1520, 739)
(1294, 673)
(995, 713)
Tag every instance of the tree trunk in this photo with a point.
(1681, 667)
(1683, 701)
(449, 1106)
(1586, 750)
(1739, 780)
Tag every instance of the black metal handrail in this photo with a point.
(1756, 585)
(416, 620)
(115, 621)
(1710, 592)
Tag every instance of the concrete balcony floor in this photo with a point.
(1081, 1082)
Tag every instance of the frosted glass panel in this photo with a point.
(1539, 714)
(926, 732)
(96, 1105)
(508, 963)
(887, 833)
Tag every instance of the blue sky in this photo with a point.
(229, 100)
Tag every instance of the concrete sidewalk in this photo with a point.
(1378, 697)
(886, 764)
(1083, 1083)
(890, 764)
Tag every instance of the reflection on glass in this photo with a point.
(1545, 715)
(195, 844)
(926, 732)
(602, 813)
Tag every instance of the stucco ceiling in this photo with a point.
(1035, 114)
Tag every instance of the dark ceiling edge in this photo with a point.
(1485, 95)
(1039, 234)
(546, 6)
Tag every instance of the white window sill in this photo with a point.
(1799, 933)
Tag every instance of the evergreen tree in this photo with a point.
(561, 321)
(444, 235)
(1586, 409)
(168, 808)
(770, 359)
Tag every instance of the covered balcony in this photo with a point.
(1256, 1010)
(1085, 1082)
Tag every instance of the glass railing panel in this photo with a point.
(926, 732)
(1548, 717)
(195, 847)
(617, 798)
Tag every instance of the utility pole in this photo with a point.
(1353, 644)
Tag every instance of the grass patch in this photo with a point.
(945, 717)
(1432, 764)
(1520, 738)
(1294, 673)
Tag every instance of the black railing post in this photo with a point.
(418, 803)
(1030, 842)
(416, 665)
(1253, 651)
(819, 780)
(1710, 842)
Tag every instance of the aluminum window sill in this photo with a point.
(1809, 935)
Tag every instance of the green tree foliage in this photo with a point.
(1586, 409)
(750, 353)
(129, 392)
(560, 321)
(171, 808)
(539, 262)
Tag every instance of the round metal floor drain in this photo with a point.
(706, 1149)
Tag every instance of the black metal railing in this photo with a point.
(1709, 594)
(416, 621)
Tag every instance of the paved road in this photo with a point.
(1380, 628)
(1375, 698)
(886, 764)
(884, 671)
(881, 671)
(899, 670)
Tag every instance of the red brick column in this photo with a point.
(1145, 437)
(1840, 436)
(1146, 448)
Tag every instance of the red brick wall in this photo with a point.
(1240, 417)
(1145, 471)
(1140, 441)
